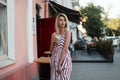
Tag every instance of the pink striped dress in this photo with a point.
(66, 66)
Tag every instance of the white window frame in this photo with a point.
(11, 35)
(30, 32)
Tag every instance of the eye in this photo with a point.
(61, 20)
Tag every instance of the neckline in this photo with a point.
(60, 34)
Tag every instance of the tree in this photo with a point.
(113, 27)
(93, 25)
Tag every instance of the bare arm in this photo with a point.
(52, 42)
(66, 45)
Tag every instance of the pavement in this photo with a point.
(97, 71)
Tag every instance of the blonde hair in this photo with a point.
(56, 22)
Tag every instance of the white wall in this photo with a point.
(65, 3)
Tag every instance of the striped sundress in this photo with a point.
(66, 66)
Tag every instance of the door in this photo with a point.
(45, 27)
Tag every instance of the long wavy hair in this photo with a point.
(56, 22)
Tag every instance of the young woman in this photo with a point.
(61, 65)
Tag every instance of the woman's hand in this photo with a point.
(59, 69)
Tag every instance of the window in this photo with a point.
(7, 45)
(3, 30)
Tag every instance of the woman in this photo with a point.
(61, 65)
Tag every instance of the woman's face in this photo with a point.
(61, 22)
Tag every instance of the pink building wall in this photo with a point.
(34, 14)
(21, 69)
(44, 7)
(44, 14)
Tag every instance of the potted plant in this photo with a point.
(106, 49)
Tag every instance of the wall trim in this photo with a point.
(11, 29)
(30, 31)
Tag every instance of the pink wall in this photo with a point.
(22, 73)
(34, 13)
(42, 5)
(21, 69)
(21, 31)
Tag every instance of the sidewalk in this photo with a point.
(97, 71)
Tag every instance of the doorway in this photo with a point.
(45, 27)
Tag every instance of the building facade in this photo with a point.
(18, 36)
(18, 45)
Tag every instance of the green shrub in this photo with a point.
(105, 48)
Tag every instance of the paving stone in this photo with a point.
(97, 71)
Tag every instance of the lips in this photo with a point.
(62, 24)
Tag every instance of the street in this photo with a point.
(97, 71)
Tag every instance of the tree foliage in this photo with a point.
(93, 25)
(113, 27)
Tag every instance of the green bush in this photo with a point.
(106, 49)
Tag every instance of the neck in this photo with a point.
(62, 30)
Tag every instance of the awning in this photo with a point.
(73, 16)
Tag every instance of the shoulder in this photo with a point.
(68, 33)
(54, 33)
